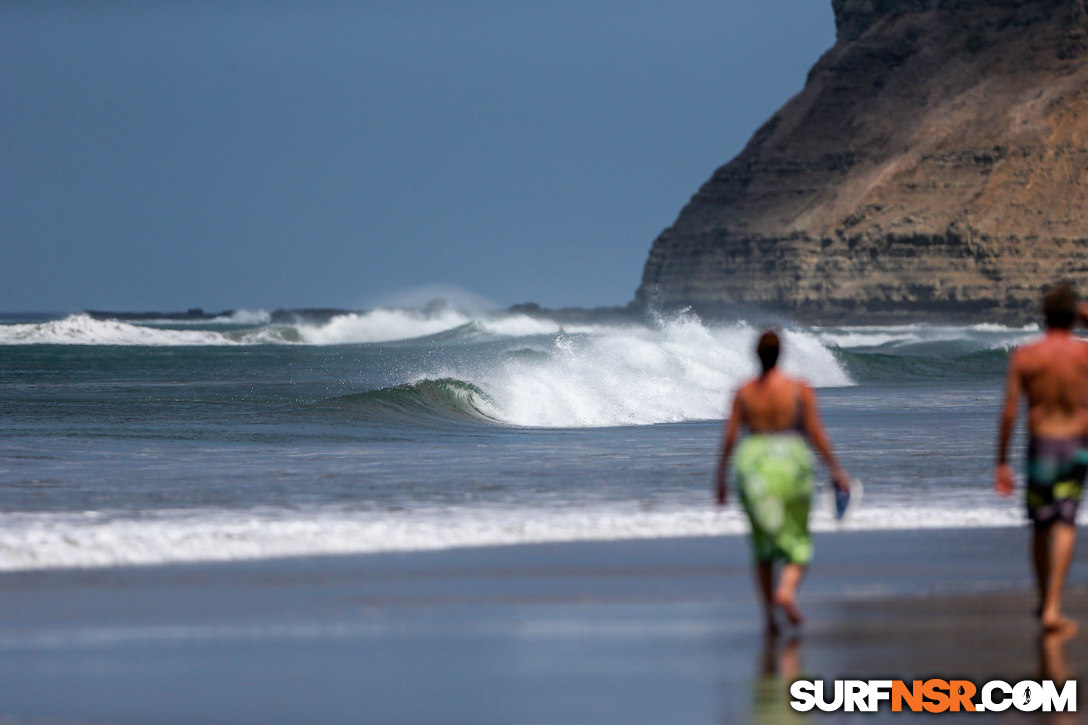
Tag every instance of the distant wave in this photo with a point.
(62, 540)
(245, 317)
(953, 364)
(902, 338)
(393, 325)
(85, 330)
(379, 325)
(925, 352)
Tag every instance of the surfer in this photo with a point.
(773, 470)
(1053, 374)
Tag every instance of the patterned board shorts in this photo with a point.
(1056, 470)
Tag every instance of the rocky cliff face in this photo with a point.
(935, 165)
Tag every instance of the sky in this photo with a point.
(263, 154)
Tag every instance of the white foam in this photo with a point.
(868, 338)
(388, 325)
(81, 329)
(245, 317)
(678, 370)
(381, 325)
(52, 540)
(984, 336)
(521, 326)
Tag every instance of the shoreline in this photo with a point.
(590, 632)
(725, 547)
(183, 538)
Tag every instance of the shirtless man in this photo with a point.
(1053, 374)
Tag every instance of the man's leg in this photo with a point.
(1040, 555)
(786, 595)
(765, 580)
(1062, 539)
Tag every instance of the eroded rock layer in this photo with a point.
(935, 165)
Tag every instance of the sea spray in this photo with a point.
(678, 369)
(381, 326)
(245, 317)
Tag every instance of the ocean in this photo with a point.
(151, 442)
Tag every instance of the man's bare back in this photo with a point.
(1054, 376)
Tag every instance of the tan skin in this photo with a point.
(1053, 374)
(768, 404)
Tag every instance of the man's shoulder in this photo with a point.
(1046, 349)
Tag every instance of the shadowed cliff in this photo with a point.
(935, 166)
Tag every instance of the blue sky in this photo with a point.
(349, 154)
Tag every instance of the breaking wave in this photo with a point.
(82, 329)
(445, 399)
(925, 352)
(98, 539)
(245, 317)
(678, 370)
(381, 325)
(531, 370)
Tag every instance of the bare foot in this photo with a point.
(1057, 624)
(789, 606)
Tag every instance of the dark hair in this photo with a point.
(1060, 306)
(768, 348)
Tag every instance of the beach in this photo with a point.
(436, 516)
(590, 632)
(336, 387)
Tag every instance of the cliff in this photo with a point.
(935, 166)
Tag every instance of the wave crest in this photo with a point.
(82, 329)
(444, 398)
(678, 370)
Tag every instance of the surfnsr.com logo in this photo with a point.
(933, 696)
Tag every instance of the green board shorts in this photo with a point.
(773, 472)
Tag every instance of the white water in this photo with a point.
(85, 330)
(56, 540)
(381, 325)
(982, 336)
(680, 370)
(583, 375)
(551, 375)
(245, 317)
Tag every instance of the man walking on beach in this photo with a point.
(1053, 374)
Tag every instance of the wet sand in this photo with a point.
(611, 632)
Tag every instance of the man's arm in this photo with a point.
(1003, 479)
(814, 431)
(729, 439)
